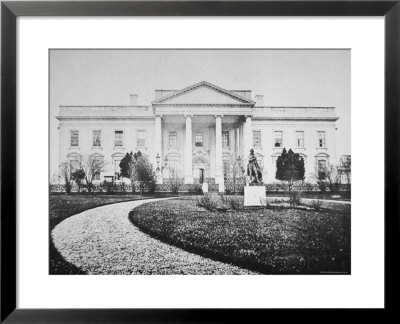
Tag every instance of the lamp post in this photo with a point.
(165, 162)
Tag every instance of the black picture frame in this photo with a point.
(10, 10)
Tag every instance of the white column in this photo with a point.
(247, 137)
(219, 177)
(158, 146)
(158, 137)
(188, 151)
(237, 141)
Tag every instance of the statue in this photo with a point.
(253, 169)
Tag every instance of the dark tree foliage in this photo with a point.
(124, 165)
(144, 174)
(78, 176)
(279, 165)
(290, 167)
(138, 169)
(126, 162)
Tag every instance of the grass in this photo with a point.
(270, 241)
(63, 206)
(343, 196)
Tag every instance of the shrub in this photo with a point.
(195, 189)
(322, 185)
(294, 198)
(208, 202)
(264, 202)
(224, 199)
(334, 187)
(175, 185)
(78, 176)
(151, 186)
(68, 187)
(109, 187)
(316, 204)
(306, 186)
(121, 187)
(234, 203)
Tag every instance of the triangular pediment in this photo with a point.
(204, 93)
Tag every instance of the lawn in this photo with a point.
(271, 240)
(63, 206)
(343, 196)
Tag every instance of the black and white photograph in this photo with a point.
(199, 161)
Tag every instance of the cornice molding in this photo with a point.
(71, 118)
(203, 105)
(64, 118)
(297, 118)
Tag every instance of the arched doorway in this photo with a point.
(201, 175)
(200, 168)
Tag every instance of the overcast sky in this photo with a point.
(284, 77)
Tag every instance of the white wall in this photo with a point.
(107, 148)
(267, 151)
(289, 129)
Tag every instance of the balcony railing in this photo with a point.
(295, 112)
(105, 111)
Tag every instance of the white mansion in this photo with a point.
(195, 132)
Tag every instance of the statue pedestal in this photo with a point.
(254, 195)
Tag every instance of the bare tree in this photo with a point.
(329, 177)
(55, 178)
(346, 169)
(92, 166)
(237, 165)
(176, 182)
(65, 173)
(333, 177)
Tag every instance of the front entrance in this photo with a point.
(201, 175)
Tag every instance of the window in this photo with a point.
(257, 138)
(225, 139)
(74, 138)
(198, 141)
(96, 138)
(300, 139)
(321, 165)
(74, 164)
(117, 169)
(278, 139)
(226, 169)
(119, 138)
(173, 139)
(141, 138)
(321, 139)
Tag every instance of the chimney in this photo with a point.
(259, 100)
(134, 99)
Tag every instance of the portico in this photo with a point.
(209, 122)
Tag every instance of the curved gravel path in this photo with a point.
(104, 241)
